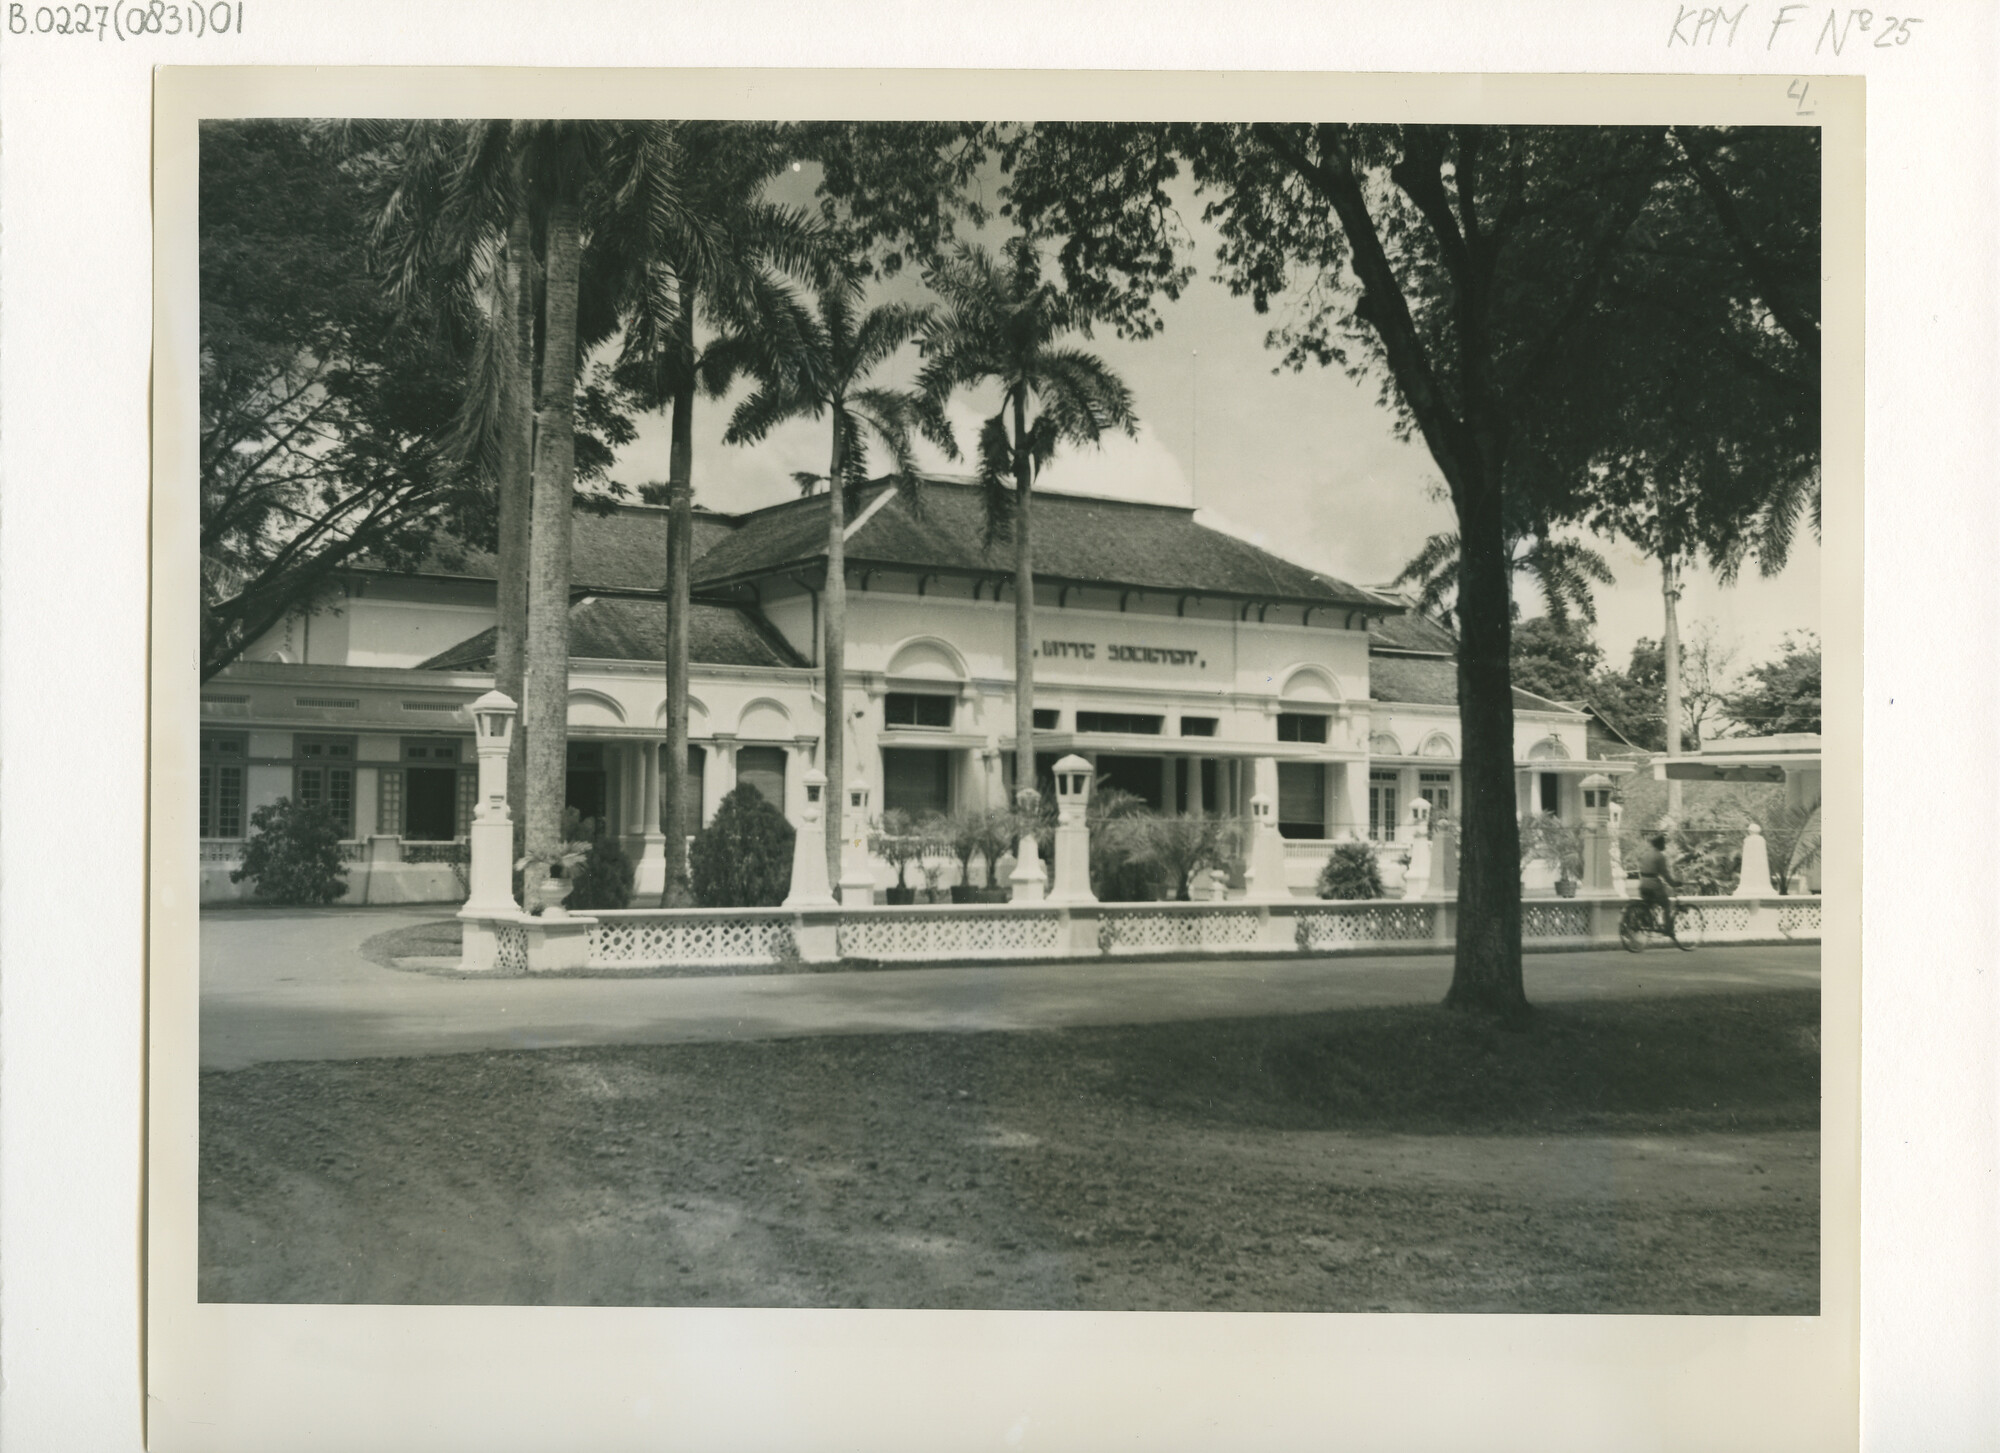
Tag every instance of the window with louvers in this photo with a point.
(764, 769)
(323, 776)
(1302, 799)
(222, 762)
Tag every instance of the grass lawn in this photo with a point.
(1642, 1155)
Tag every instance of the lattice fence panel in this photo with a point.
(1724, 920)
(1555, 920)
(1799, 918)
(1168, 928)
(1382, 923)
(634, 943)
(433, 852)
(511, 949)
(893, 937)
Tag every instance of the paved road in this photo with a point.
(293, 986)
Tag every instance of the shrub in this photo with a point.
(1180, 847)
(1122, 866)
(293, 855)
(979, 832)
(604, 876)
(743, 858)
(1351, 872)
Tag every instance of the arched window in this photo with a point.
(1384, 744)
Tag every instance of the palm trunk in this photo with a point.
(680, 564)
(1024, 605)
(1486, 964)
(545, 686)
(834, 658)
(517, 460)
(1670, 658)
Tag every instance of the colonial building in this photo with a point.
(1189, 666)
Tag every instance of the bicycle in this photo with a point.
(1642, 919)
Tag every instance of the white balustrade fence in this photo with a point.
(753, 940)
(943, 934)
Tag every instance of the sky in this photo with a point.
(1305, 465)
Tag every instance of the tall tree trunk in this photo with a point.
(1024, 605)
(545, 710)
(1486, 963)
(517, 459)
(1670, 661)
(680, 565)
(833, 754)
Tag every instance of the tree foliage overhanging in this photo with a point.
(1582, 324)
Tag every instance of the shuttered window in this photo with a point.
(1302, 799)
(918, 782)
(323, 776)
(764, 769)
(222, 758)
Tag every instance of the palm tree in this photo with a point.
(838, 351)
(1562, 570)
(474, 201)
(728, 270)
(1000, 323)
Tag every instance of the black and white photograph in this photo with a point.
(1114, 716)
(1107, 716)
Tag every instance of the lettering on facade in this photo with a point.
(1135, 655)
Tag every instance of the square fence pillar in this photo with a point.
(558, 943)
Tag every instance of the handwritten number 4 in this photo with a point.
(1797, 92)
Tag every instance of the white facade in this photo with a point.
(1194, 703)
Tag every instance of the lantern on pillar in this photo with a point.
(1265, 872)
(1025, 883)
(809, 886)
(1599, 846)
(490, 876)
(493, 733)
(1073, 778)
(1072, 876)
(857, 876)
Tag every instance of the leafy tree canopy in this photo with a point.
(1553, 659)
(322, 402)
(1782, 694)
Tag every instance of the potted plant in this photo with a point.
(1548, 839)
(994, 830)
(552, 892)
(897, 842)
(935, 852)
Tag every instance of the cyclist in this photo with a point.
(1655, 877)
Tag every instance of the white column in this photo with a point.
(1196, 807)
(1350, 804)
(649, 878)
(719, 775)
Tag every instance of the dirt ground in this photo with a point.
(1632, 1156)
